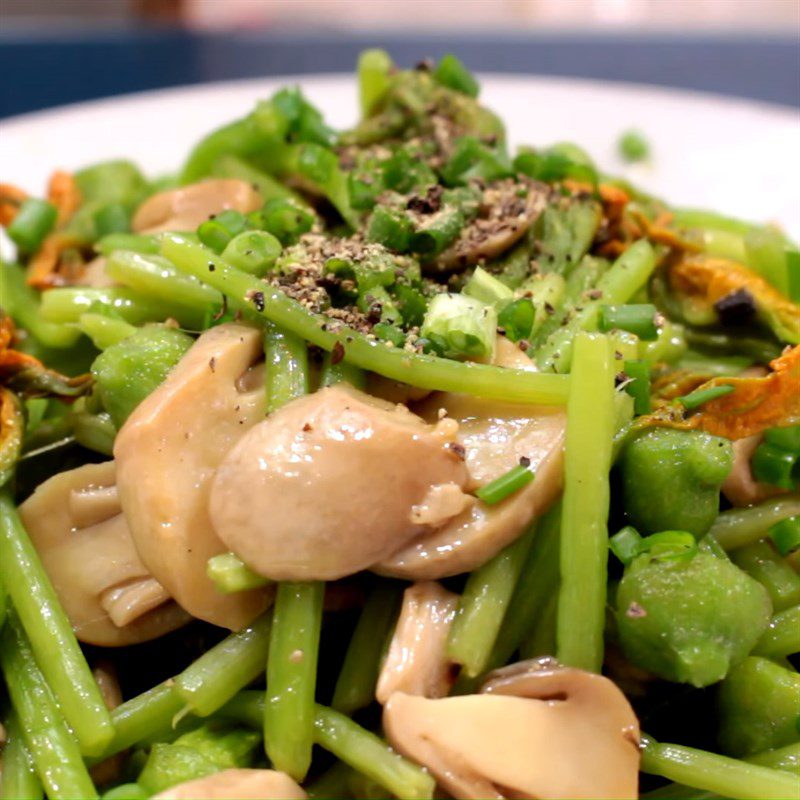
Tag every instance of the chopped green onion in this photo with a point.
(465, 326)
(34, 220)
(452, 73)
(220, 229)
(374, 67)
(438, 232)
(700, 396)
(638, 319)
(486, 288)
(517, 319)
(625, 544)
(793, 273)
(500, 488)
(639, 387)
(785, 535)
(633, 146)
(669, 546)
(785, 438)
(390, 228)
(775, 466)
(230, 574)
(284, 219)
(253, 251)
(113, 218)
(147, 244)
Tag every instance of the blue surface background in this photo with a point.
(44, 70)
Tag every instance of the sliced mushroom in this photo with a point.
(185, 208)
(740, 487)
(327, 485)
(167, 453)
(416, 662)
(507, 211)
(536, 730)
(94, 274)
(75, 522)
(495, 436)
(237, 784)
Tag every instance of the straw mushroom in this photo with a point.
(183, 209)
(508, 209)
(536, 730)
(237, 784)
(167, 453)
(75, 522)
(495, 436)
(416, 662)
(333, 482)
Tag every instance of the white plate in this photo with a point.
(738, 157)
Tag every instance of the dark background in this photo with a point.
(47, 67)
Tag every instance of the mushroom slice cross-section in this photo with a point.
(76, 524)
(331, 483)
(236, 784)
(185, 208)
(495, 436)
(417, 662)
(534, 731)
(167, 453)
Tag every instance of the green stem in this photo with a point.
(53, 748)
(760, 561)
(342, 373)
(230, 574)
(355, 686)
(782, 637)
(483, 606)
(228, 667)
(428, 372)
(143, 718)
(367, 754)
(292, 677)
(57, 651)
(20, 781)
(786, 758)
(287, 367)
(537, 583)
(741, 526)
(542, 641)
(711, 772)
(584, 536)
(155, 277)
(333, 783)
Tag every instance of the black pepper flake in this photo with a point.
(211, 266)
(524, 461)
(457, 450)
(620, 378)
(337, 353)
(212, 364)
(594, 294)
(223, 309)
(258, 300)
(524, 345)
(736, 308)
(307, 427)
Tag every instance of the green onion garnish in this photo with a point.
(775, 466)
(700, 396)
(639, 386)
(793, 273)
(34, 220)
(669, 545)
(633, 147)
(785, 535)
(625, 544)
(504, 486)
(785, 438)
(452, 73)
(639, 319)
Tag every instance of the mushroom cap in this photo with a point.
(75, 522)
(504, 218)
(495, 436)
(183, 209)
(740, 487)
(532, 732)
(417, 662)
(237, 784)
(167, 453)
(327, 485)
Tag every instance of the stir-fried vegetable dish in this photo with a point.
(388, 462)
